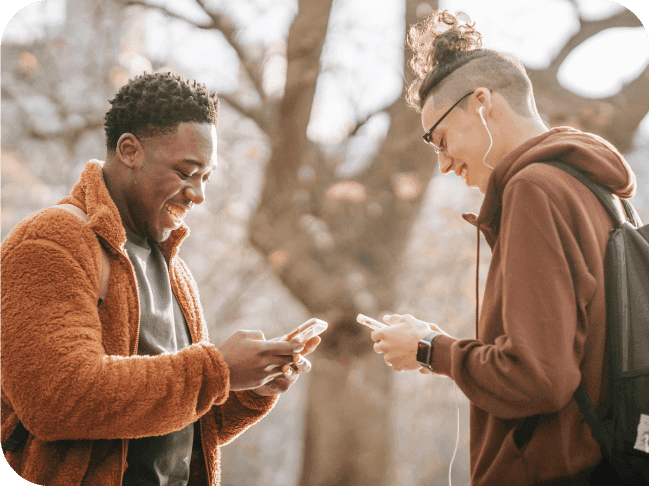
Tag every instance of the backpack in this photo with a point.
(20, 433)
(623, 435)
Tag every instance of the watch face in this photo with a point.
(422, 353)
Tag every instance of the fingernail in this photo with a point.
(288, 372)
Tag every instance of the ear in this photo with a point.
(129, 150)
(483, 99)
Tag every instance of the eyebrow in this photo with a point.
(196, 163)
(439, 134)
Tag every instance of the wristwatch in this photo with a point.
(425, 350)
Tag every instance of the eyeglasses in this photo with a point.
(428, 135)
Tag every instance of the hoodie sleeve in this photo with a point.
(55, 371)
(533, 367)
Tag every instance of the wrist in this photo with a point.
(425, 349)
(262, 391)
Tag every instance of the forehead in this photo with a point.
(190, 141)
(431, 113)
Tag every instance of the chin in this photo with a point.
(159, 236)
(162, 237)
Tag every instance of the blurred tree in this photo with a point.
(55, 90)
(336, 243)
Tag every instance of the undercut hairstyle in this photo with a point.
(154, 104)
(449, 61)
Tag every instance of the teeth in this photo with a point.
(177, 213)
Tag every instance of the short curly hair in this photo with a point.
(160, 101)
(444, 44)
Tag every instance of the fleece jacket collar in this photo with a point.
(91, 195)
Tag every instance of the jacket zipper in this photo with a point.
(207, 466)
(200, 423)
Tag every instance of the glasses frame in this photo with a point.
(428, 135)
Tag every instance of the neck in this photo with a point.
(114, 180)
(522, 130)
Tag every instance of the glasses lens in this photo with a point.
(430, 142)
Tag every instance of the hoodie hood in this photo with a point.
(587, 152)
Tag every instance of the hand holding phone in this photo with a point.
(309, 329)
(369, 322)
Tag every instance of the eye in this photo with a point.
(183, 175)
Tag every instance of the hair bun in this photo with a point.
(440, 39)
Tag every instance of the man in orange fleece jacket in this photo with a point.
(542, 329)
(128, 389)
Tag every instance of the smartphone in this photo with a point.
(306, 331)
(369, 322)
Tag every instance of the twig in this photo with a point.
(254, 115)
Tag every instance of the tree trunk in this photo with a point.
(336, 245)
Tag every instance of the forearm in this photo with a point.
(242, 410)
(55, 370)
(90, 396)
(506, 382)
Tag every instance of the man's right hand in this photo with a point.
(253, 361)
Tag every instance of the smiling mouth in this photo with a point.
(464, 173)
(176, 213)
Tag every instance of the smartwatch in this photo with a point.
(425, 350)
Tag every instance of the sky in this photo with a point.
(370, 40)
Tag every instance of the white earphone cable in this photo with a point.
(491, 140)
(457, 437)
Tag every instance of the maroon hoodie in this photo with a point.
(542, 329)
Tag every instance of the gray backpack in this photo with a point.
(624, 434)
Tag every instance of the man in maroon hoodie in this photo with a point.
(542, 329)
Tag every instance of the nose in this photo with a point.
(445, 163)
(195, 192)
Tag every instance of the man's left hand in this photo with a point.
(399, 340)
(290, 373)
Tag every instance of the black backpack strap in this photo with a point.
(602, 193)
(17, 438)
(523, 434)
(598, 429)
(631, 213)
(606, 198)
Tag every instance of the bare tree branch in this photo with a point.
(589, 29)
(167, 12)
(360, 123)
(254, 115)
(632, 106)
(227, 27)
(224, 25)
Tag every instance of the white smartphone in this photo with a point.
(369, 322)
(307, 330)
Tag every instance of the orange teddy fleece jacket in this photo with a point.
(70, 369)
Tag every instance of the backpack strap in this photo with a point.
(597, 428)
(104, 261)
(17, 438)
(606, 198)
(603, 193)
